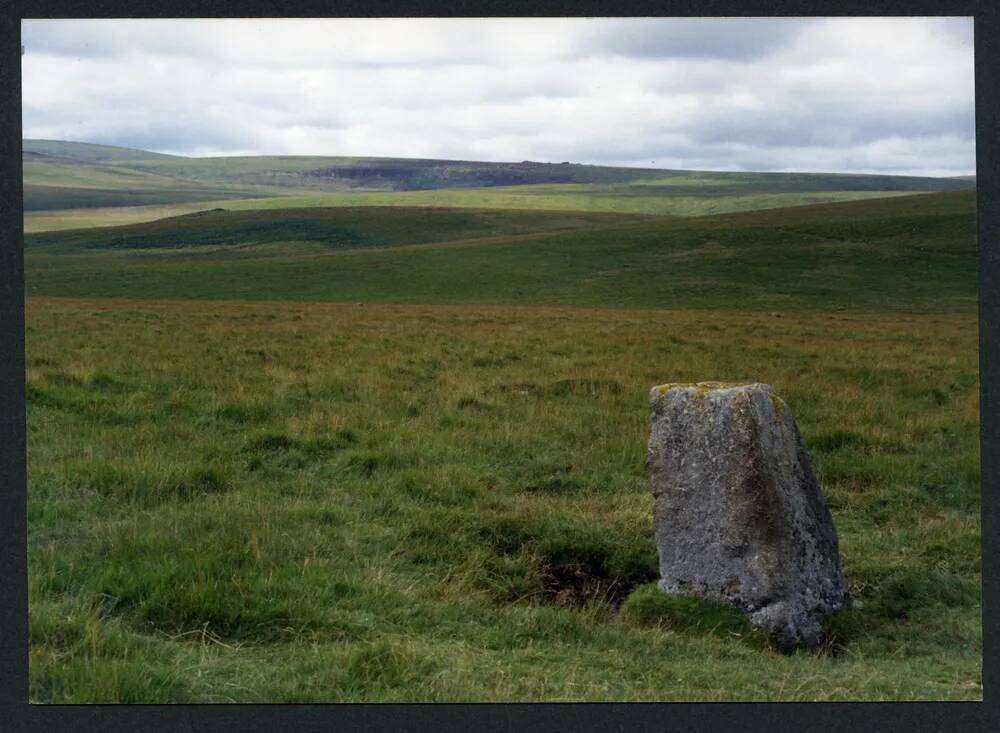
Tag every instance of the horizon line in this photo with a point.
(497, 162)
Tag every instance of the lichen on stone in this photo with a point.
(701, 389)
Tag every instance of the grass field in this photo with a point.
(295, 451)
(907, 254)
(537, 198)
(285, 502)
(291, 231)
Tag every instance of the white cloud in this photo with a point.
(861, 94)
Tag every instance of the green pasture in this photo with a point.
(268, 502)
(907, 254)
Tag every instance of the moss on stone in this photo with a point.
(701, 388)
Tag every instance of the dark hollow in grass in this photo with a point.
(575, 584)
(572, 563)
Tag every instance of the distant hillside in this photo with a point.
(77, 176)
(402, 174)
(85, 152)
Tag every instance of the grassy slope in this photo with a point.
(42, 199)
(64, 179)
(526, 197)
(326, 228)
(402, 174)
(88, 152)
(286, 502)
(60, 175)
(911, 254)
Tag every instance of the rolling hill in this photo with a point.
(908, 253)
(63, 177)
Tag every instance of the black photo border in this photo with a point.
(16, 714)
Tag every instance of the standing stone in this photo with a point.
(737, 511)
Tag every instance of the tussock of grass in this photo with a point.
(148, 485)
(94, 399)
(650, 606)
(79, 657)
(902, 594)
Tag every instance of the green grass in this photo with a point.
(328, 228)
(60, 176)
(62, 219)
(44, 172)
(579, 198)
(441, 494)
(308, 502)
(59, 198)
(63, 177)
(913, 253)
(522, 197)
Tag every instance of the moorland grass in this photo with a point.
(310, 502)
(331, 228)
(41, 199)
(908, 254)
(286, 501)
(579, 199)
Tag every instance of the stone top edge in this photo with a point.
(703, 388)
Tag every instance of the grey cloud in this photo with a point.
(703, 38)
(817, 127)
(249, 44)
(95, 40)
(958, 30)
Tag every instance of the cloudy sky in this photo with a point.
(858, 94)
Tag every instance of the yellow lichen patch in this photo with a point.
(701, 388)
